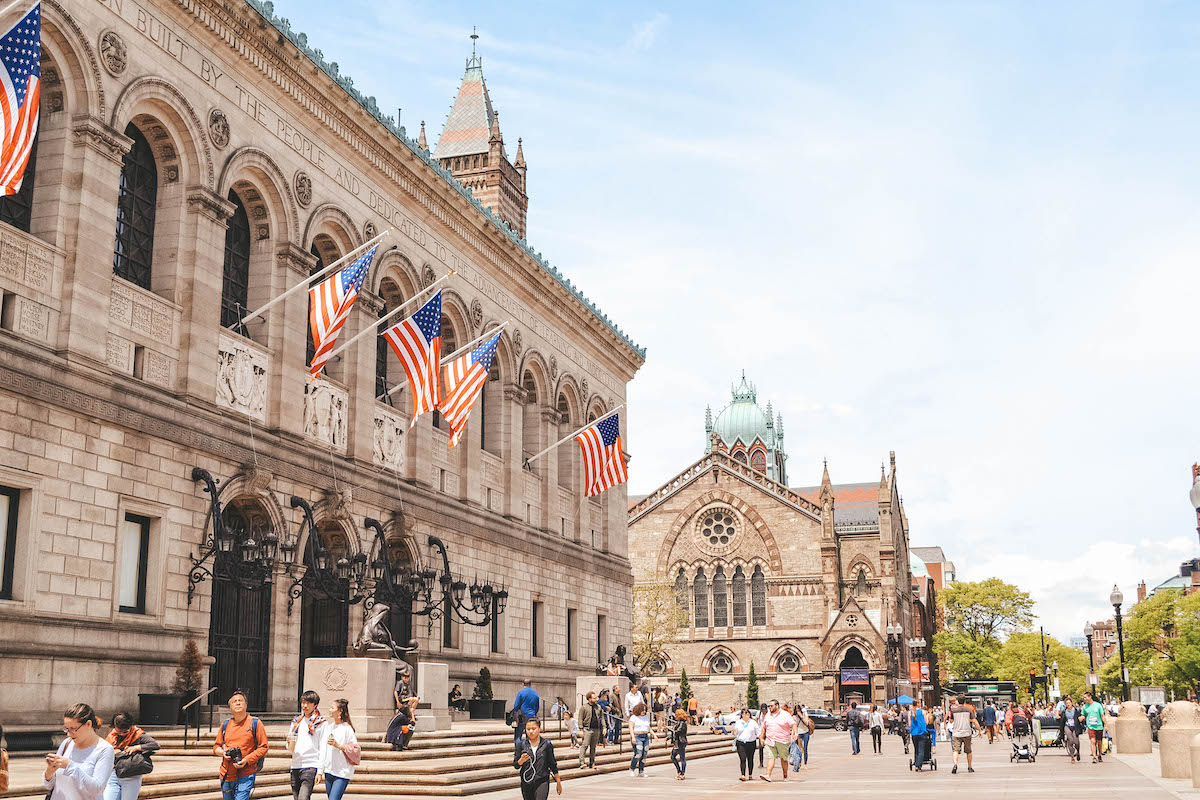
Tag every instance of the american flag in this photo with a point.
(417, 342)
(20, 55)
(464, 379)
(329, 304)
(603, 461)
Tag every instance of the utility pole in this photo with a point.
(1045, 669)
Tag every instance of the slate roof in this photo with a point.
(469, 124)
(853, 503)
(929, 555)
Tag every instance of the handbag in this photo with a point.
(130, 765)
(353, 753)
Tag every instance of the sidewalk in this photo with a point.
(1149, 766)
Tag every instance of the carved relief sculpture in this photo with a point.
(388, 447)
(241, 378)
(218, 127)
(113, 54)
(476, 313)
(303, 188)
(325, 409)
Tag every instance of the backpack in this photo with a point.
(253, 735)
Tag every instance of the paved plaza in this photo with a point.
(832, 772)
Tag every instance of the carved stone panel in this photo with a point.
(441, 446)
(113, 53)
(158, 369)
(241, 377)
(120, 354)
(451, 484)
(388, 449)
(326, 408)
(218, 127)
(533, 487)
(27, 318)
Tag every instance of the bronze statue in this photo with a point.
(376, 640)
(616, 666)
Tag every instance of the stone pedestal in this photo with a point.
(433, 687)
(1195, 760)
(1131, 730)
(596, 683)
(366, 683)
(1181, 722)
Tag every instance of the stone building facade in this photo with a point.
(194, 160)
(801, 583)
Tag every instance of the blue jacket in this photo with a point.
(918, 728)
(989, 715)
(527, 702)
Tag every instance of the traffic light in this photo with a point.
(1032, 680)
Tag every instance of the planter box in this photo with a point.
(480, 709)
(159, 709)
(499, 707)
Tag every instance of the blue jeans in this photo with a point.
(854, 740)
(239, 789)
(335, 787)
(122, 788)
(920, 749)
(614, 730)
(641, 746)
(804, 739)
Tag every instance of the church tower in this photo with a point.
(471, 146)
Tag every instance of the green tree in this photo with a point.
(752, 688)
(483, 685)
(685, 688)
(1022, 652)
(964, 658)
(657, 620)
(187, 680)
(986, 610)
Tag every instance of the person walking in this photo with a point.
(1093, 714)
(305, 742)
(3, 763)
(989, 720)
(660, 709)
(534, 757)
(919, 731)
(640, 729)
(340, 752)
(963, 726)
(526, 705)
(805, 726)
(875, 720)
(903, 722)
(778, 731)
(1071, 722)
(745, 737)
(132, 749)
(618, 716)
(855, 724)
(81, 767)
(677, 737)
(592, 729)
(242, 745)
(693, 705)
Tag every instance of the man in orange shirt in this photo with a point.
(242, 745)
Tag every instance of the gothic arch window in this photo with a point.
(788, 662)
(235, 283)
(700, 594)
(739, 596)
(720, 664)
(720, 599)
(137, 200)
(860, 586)
(758, 594)
(740, 455)
(681, 596)
(17, 209)
(758, 460)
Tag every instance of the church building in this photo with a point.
(805, 584)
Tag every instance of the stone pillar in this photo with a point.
(201, 274)
(286, 325)
(1131, 730)
(1194, 754)
(433, 687)
(1181, 722)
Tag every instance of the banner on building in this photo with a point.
(856, 676)
(912, 671)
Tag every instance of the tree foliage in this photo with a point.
(986, 610)
(752, 688)
(964, 658)
(187, 680)
(1022, 652)
(1162, 644)
(657, 619)
(483, 685)
(685, 688)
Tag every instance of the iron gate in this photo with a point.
(239, 626)
(323, 630)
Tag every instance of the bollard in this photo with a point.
(1131, 730)
(1195, 748)
(1181, 722)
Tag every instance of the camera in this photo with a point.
(234, 754)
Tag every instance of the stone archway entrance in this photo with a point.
(324, 621)
(854, 678)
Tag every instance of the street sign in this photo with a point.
(1092, 679)
(1152, 694)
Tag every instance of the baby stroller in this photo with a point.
(930, 741)
(1024, 745)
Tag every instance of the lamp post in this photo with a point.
(1116, 598)
(895, 638)
(1088, 630)
(240, 550)
(917, 648)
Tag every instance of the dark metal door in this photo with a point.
(323, 630)
(239, 624)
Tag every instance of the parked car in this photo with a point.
(826, 719)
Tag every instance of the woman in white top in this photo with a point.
(745, 733)
(337, 768)
(84, 762)
(639, 728)
(875, 718)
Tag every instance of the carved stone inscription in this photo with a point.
(325, 413)
(241, 377)
(119, 354)
(142, 313)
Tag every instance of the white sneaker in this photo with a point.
(632, 772)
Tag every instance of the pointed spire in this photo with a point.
(882, 476)
(495, 129)
(520, 162)
(707, 419)
(825, 482)
(779, 424)
(421, 139)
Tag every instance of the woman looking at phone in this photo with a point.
(535, 759)
(84, 762)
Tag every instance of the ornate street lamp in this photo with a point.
(324, 577)
(1088, 630)
(235, 552)
(1116, 598)
(917, 648)
(895, 637)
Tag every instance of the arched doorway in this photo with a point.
(854, 678)
(400, 619)
(324, 621)
(240, 614)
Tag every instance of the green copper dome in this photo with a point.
(916, 566)
(744, 421)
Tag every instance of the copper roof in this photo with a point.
(469, 124)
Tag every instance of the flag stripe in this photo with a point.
(603, 459)
(330, 302)
(417, 343)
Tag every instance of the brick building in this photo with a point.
(195, 159)
(802, 583)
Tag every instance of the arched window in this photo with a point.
(740, 455)
(720, 599)
(789, 662)
(381, 363)
(739, 596)
(681, 596)
(860, 586)
(700, 593)
(758, 460)
(310, 349)
(489, 412)
(449, 345)
(17, 209)
(531, 423)
(758, 594)
(720, 664)
(235, 284)
(566, 455)
(137, 199)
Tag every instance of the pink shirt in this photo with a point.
(778, 726)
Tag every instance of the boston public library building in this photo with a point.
(194, 160)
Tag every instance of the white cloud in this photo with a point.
(646, 32)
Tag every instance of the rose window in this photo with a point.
(789, 662)
(852, 621)
(720, 664)
(717, 527)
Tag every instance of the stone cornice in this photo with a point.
(97, 135)
(209, 203)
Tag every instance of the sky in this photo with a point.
(964, 232)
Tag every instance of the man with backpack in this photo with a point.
(242, 745)
(855, 724)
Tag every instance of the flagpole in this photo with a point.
(310, 278)
(391, 314)
(486, 334)
(4, 10)
(572, 435)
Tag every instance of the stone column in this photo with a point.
(1131, 730)
(514, 478)
(1181, 722)
(88, 272)
(286, 325)
(359, 377)
(201, 274)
